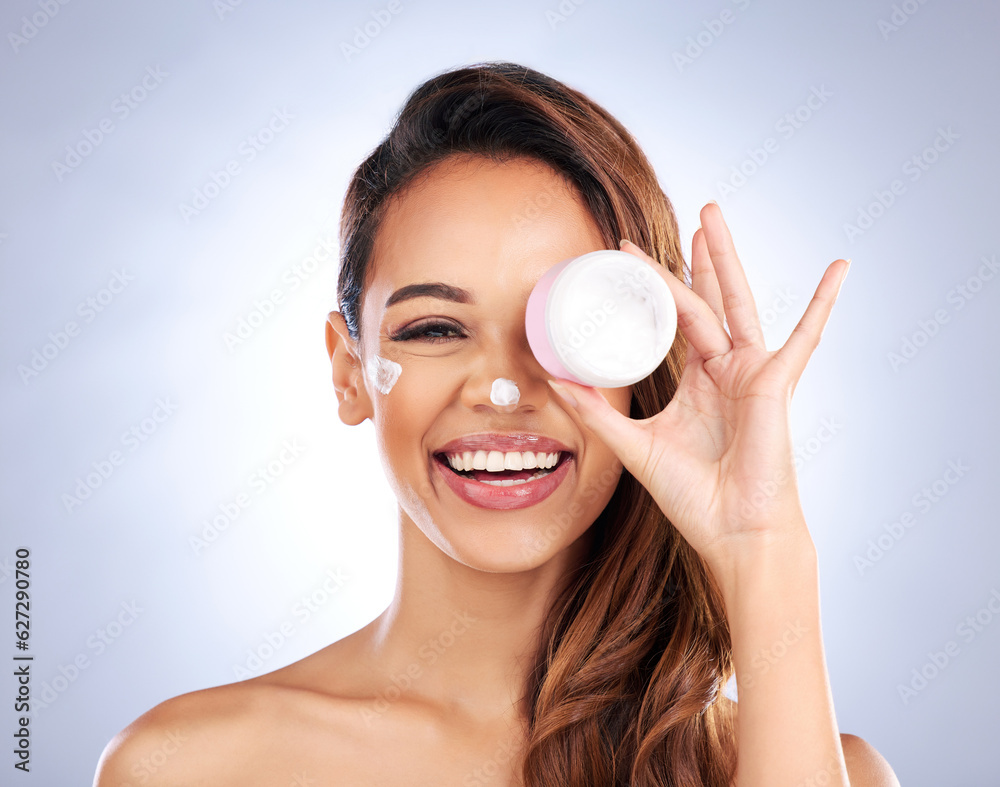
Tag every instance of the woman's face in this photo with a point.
(486, 232)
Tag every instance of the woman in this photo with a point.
(575, 628)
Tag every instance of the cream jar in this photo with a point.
(605, 319)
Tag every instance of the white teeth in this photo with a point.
(502, 482)
(498, 461)
(513, 482)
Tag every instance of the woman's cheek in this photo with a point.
(408, 381)
(383, 374)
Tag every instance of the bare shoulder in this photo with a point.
(247, 733)
(866, 767)
(251, 732)
(202, 733)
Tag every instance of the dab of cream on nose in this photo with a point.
(383, 373)
(504, 393)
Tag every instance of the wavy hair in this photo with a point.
(636, 647)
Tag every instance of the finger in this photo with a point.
(703, 278)
(695, 318)
(795, 353)
(706, 285)
(737, 300)
(619, 432)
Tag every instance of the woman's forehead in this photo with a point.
(472, 188)
(472, 213)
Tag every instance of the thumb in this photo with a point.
(619, 432)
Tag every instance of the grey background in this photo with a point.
(891, 427)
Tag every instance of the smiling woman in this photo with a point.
(581, 569)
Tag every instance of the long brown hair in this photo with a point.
(636, 648)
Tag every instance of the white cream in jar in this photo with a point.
(605, 319)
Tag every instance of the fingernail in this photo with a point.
(622, 242)
(563, 392)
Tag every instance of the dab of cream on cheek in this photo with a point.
(504, 394)
(383, 373)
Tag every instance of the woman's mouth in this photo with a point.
(504, 468)
(503, 479)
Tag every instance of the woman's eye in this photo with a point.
(428, 332)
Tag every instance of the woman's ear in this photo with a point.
(348, 372)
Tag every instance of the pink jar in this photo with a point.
(605, 319)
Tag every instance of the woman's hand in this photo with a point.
(718, 460)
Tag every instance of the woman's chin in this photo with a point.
(513, 551)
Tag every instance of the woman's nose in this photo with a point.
(506, 377)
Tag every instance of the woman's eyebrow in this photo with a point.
(430, 290)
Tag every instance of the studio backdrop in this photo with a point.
(179, 498)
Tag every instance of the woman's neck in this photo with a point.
(462, 637)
